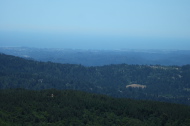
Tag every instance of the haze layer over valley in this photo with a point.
(102, 57)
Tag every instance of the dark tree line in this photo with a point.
(53, 107)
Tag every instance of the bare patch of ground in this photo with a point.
(136, 86)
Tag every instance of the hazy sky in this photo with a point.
(96, 24)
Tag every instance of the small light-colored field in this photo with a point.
(136, 86)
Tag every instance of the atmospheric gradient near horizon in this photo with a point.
(89, 24)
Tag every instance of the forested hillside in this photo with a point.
(153, 82)
(75, 108)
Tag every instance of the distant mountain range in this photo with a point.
(102, 57)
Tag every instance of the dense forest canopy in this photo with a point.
(75, 108)
(162, 83)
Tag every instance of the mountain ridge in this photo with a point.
(163, 83)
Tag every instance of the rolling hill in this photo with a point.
(161, 83)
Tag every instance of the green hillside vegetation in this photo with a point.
(75, 108)
(162, 83)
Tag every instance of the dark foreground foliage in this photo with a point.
(75, 108)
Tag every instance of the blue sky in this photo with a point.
(96, 24)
